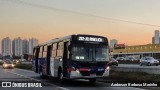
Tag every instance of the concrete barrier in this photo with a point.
(26, 62)
(146, 69)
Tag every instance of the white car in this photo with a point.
(8, 64)
(120, 58)
(148, 61)
(131, 58)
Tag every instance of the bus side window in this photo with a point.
(40, 52)
(44, 51)
(34, 52)
(54, 49)
(60, 49)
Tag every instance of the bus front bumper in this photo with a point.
(77, 75)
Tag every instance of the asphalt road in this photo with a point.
(25, 76)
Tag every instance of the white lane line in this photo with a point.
(137, 88)
(57, 88)
(24, 76)
(37, 80)
(25, 70)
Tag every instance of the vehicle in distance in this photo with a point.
(73, 57)
(8, 64)
(120, 58)
(113, 62)
(16, 61)
(148, 61)
(131, 58)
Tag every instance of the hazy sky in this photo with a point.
(18, 19)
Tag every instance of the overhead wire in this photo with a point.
(78, 13)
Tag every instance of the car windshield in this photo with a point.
(87, 52)
(150, 58)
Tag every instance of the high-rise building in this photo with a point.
(13, 46)
(25, 45)
(113, 42)
(156, 38)
(0, 56)
(18, 47)
(32, 43)
(6, 46)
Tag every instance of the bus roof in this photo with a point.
(55, 40)
(66, 37)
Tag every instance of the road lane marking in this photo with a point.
(24, 76)
(57, 88)
(37, 80)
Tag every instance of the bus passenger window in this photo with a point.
(54, 49)
(60, 49)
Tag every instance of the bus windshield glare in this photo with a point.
(87, 52)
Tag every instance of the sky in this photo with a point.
(48, 19)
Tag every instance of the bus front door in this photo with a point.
(48, 59)
(65, 59)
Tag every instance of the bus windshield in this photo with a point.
(87, 52)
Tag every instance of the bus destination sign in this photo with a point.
(90, 39)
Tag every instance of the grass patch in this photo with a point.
(131, 77)
(24, 66)
(1, 63)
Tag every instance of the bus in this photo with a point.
(73, 57)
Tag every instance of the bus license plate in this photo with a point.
(92, 74)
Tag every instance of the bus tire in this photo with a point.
(60, 75)
(41, 75)
(92, 80)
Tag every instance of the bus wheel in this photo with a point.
(92, 80)
(41, 75)
(60, 76)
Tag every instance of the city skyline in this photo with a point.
(17, 46)
(44, 23)
(30, 51)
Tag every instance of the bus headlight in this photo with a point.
(107, 68)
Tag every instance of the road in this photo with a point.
(20, 75)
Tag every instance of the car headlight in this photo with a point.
(12, 65)
(5, 65)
